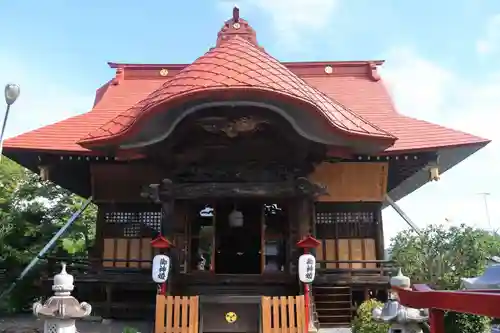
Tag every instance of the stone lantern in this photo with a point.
(61, 310)
(400, 281)
(402, 319)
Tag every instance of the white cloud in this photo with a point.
(425, 90)
(291, 19)
(43, 100)
(489, 42)
(413, 81)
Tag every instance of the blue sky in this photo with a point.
(443, 65)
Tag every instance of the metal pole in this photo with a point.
(47, 247)
(486, 208)
(412, 225)
(4, 124)
(402, 214)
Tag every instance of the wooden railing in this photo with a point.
(368, 267)
(283, 314)
(176, 314)
(95, 265)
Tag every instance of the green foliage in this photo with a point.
(440, 257)
(462, 322)
(129, 329)
(31, 212)
(364, 323)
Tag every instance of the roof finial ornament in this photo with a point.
(237, 27)
(236, 14)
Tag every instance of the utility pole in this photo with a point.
(485, 196)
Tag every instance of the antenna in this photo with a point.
(485, 196)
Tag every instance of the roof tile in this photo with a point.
(371, 100)
(237, 63)
(362, 95)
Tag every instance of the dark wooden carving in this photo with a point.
(231, 127)
(167, 190)
(221, 145)
(240, 172)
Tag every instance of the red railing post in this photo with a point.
(436, 320)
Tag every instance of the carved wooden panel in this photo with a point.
(352, 181)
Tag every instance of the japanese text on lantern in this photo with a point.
(160, 269)
(163, 269)
(309, 269)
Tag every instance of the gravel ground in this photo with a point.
(29, 323)
(335, 330)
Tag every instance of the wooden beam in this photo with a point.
(301, 187)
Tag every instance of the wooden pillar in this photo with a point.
(109, 300)
(305, 217)
(167, 223)
(168, 228)
(98, 248)
(299, 227)
(379, 236)
(312, 214)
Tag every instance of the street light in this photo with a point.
(11, 94)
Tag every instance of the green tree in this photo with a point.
(441, 256)
(31, 211)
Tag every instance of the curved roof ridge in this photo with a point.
(237, 63)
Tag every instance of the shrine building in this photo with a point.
(235, 159)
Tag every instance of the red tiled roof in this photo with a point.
(238, 65)
(350, 97)
(362, 95)
(64, 135)
(359, 93)
(371, 100)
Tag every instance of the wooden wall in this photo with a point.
(348, 219)
(352, 181)
(125, 232)
(347, 249)
(345, 233)
(135, 252)
(122, 182)
(127, 252)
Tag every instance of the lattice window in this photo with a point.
(344, 217)
(132, 222)
(346, 220)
